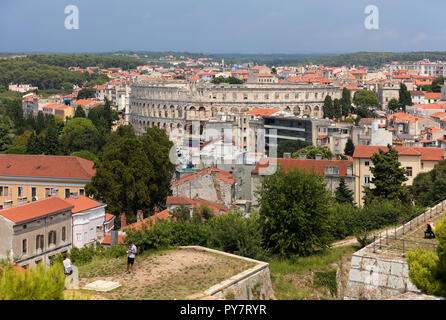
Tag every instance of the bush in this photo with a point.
(236, 234)
(34, 284)
(187, 234)
(343, 218)
(421, 273)
(84, 255)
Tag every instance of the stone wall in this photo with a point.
(375, 277)
(252, 284)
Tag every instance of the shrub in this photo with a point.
(326, 279)
(236, 234)
(343, 219)
(188, 234)
(421, 273)
(34, 284)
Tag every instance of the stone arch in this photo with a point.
(296, 110)
(202, 112)
(307, 110)
(287, 109)
(316, 111)
(165, 112)
(172, 112)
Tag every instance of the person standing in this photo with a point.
(131, 254)
(68, 268)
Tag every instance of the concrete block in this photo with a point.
(355, 275)
(384, 266)
(405, 271)
(102, 285)
(411, 287)
(355, 261)
(395, 283)
(397, 269)
(382, 279)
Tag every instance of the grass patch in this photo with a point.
(291, 278)
(320, 260)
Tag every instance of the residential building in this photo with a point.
(88, 222)
(331, 170)
(27, 177)
(35, 232)
(414, 159)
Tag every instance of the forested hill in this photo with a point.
(84, 61)
(370, 59)
(44, 76)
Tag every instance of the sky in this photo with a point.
(223, 26)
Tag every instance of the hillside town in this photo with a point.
(97, 163)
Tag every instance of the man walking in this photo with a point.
(131, 254)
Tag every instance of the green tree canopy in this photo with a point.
(405, 97)
(311, 151)
(294, 214)
(393, 105)
(134, 172)
(79, 134)
(436, 84)
(79, 113)
(343, 194)
(365, 98)
(388, 177)
(349, 148)
(430, 187)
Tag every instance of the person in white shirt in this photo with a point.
(131, 254)
(68, 269)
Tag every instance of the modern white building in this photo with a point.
(89, 221)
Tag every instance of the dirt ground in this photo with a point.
(174, 274)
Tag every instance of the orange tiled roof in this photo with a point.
(35, 209)
(308, 164)
(83, 203)
(432, 95)
(262, 112)
(433, 154)
(67, 167)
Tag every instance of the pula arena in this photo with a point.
(173, 106)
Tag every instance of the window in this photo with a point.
(79, 236)
(52, 237)
(91, 234)
(366, 180)
(422, 165)
(64, 233)
(409, 171)
(4, 191)
(81, 192)
(67, 193)
(24, 226)
(85, 237)
(24, 246)
(33, 192)
(367, 163)
(19, 192)
(39, 242)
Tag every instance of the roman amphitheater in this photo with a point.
(173, 106)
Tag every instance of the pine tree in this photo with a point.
(388, 177)
(405, 97)
(349, 148)
(80, 113)
(346, 102)
(52, 140)
(328, 107)
(40, 122)
(35, 145)
(343, 194)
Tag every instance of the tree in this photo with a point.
(437, 83)
(52, 140)
(181, 213)
(311, 151)
(6, 126)
(393, 105)
(365, 98)
(337, 109)
(86, 94)
(79, 134)
(134, 172)
(234, 233)
(328, 108)
(349, 148)
(40, 122)
(430, 187)
(294, 214)
(346, 102)
(388, 177)
(343, 194)
(80, 113)
(85, 154)
(427, 269)
(290, 146)
(405, 97)
(35, 145)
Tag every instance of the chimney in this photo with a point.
(139, 216)
(123, 220)
(318, 156)
(334, 157)
(302, 156)
(287, 155)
